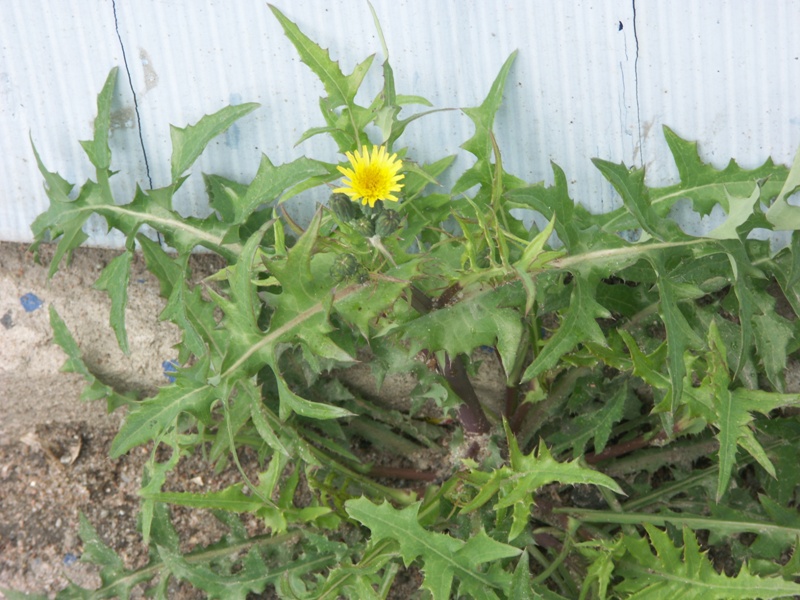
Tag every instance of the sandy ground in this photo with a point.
(53, 447)
(32, 389)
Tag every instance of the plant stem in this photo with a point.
(637, 443)
(402, 473)
(721, 525)
(470, 413)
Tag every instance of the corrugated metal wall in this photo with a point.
(593, 78)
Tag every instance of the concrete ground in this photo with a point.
(32, 389)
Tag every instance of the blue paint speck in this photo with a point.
(169, 366)
(30, 302)
(70, 559)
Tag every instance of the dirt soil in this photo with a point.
(54, 462)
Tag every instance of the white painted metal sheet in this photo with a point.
(592, 78)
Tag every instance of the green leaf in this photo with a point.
(537, 470)
(341, 89)
(270, 181)
(114, 280)
(291, 402)
(721, 526)
(155, 518)
(703, 184)
(782, 488)
(58, 189)
(252, 577)
(224, 195)
(781, 214)
(445, 559)
(65, 218)
(647, 366)
(480, 144)
(116, 580)
(680, 335)
(231, 499)
(362, 307)
(186, 308)
(731, 418)
(783, 515)
(746, 286)
(264, 421)
(522, 586)
(740, 210)
(555, 204)
(777, 534)
(418, 177)
(732, 412)
(97, 149)
(401, 124)
(95, 389)
(535, 247)
(487, 317)
(403, 99)
(707, 186)
(578, 326)
(162, 265)
(515, 484)
(629, 183)
(60, 219)
(674, 572)
(386, 116)
(300, 315)
(595, 425)
(156, 415)
(785, 268)
(190, 141)
(773, 334)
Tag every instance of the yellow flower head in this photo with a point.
(373, 176)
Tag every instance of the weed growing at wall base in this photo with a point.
(641, 431)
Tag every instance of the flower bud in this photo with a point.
(344, 267)
(344, 208)
(364, 226)
(387, 222)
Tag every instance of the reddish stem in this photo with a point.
(626, 447)
(470, 413)
(517, 418)
(402, 473)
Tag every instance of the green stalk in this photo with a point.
(211, 554)
(723, 526)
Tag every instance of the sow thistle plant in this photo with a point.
(640, 442)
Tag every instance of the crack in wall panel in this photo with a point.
(133, 92)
